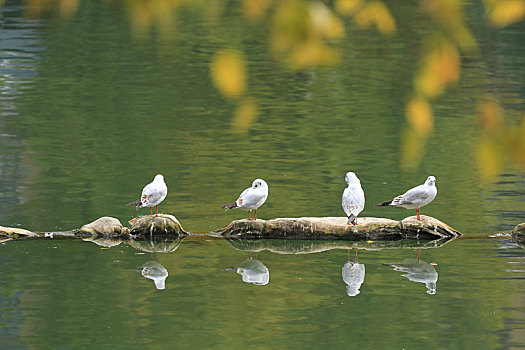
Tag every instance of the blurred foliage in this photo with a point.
(304, 34)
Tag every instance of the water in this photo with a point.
(73, 294)
(89, 114)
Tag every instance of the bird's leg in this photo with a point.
(355, 221)
(418, 218)
(157, 210)
(150, 210)
(255, 216)
(249, 211)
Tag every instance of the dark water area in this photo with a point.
(89, 113)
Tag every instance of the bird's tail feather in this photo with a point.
(229, 206)
(384, 204)
(138, 203)
(351, 219)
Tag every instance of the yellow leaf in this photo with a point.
(419, 115)
(506, 12)
(440, 67)
(254, 10)
(314, 53)
(245, 115)
(412, 147)
(490, 116)
(289, 26)
(489, 159)
(228, 71)
(364, 17)
(325, 22)
(376, 12)
(348, 7)
(384, 21)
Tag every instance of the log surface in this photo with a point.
(336, 228)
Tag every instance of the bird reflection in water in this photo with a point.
(353, 275)
(155, 271)
(253, 271)
(417, 270)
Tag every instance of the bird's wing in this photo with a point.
(250, 196)
(244, 193)
(414, 195)
(152, 193)
(353, 201)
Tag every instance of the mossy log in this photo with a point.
(336, 228)
(152, 225)
(519, 233)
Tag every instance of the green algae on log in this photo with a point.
(336, 228)
(161, 225)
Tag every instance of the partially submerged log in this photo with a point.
(152, 225)
(13, 232)
(519, 233)
(336, 228)
(107, 228)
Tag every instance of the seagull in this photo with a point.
(251, 198)
(253, 271)
(353, 274)
(419, 271)
(152, 194)
(416, 197)
(353, 198)
(156, 272)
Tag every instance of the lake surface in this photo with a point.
(90, 112)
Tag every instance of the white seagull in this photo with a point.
(253, 271)
(353, 198)
(152, 194)
(353, 275)
(251, 198)
(416, 197)
(419, 271)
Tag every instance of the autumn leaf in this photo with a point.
(228, 72)
(245, 115)
(505, 12)
(419, 115)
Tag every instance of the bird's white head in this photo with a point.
(159, 178)
(431, 181)
(259, 183)
(351, 178)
